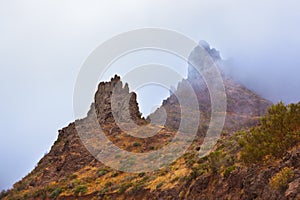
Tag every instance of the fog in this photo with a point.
(44, 43)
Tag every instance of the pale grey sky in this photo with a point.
(44, 43)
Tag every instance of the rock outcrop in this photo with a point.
(113, 101)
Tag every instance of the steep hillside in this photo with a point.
(70, 171)
(223, 174)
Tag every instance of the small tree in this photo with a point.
(278, 132)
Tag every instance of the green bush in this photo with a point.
(137, 187)
(216, 161)
(115, 174)
(281, 179)
(278, 132)
(124, 187)
(190, 159)
(21, 186)
(142, 174)
(80, 190)
(102, 172)
(159, 185)
(73, 176)
(103, 191)
(136, 144)
(41, 193)
(228, 170)
(55, 193)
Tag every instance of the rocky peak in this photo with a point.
(215, 54)
(244, 107)
(114, 101)
(195, 57)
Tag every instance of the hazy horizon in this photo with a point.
(44, 43)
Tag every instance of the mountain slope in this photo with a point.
(69, 171)
(220, 175)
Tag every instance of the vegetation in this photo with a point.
(281, 179)
(159, 185)
(228, 170)
(55, 193)
(279, 131)
(124, 187)
(80, 190)
(102, 172)
(137, 186)
(221, 161)
(41, 193)
(136, 144)
(115, 174)
(215, 161)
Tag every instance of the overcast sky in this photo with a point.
(43, 44)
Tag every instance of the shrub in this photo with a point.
(142, 174)
(73, 176)
(228, 170)
(102, 172)
(55, 193)
(124, 187)
(216, 160)
(197, 171)
(80, 190)
(103, 191)
(175, 179)
(278, 132)
(41, 193)
(136, 187)
(136, 144)
(115, 174)
(108, 184)
(21, 186)
(280, 180)
(190, 162)
(159, 185)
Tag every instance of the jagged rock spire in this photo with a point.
(113, 95)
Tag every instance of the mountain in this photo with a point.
(244, 107)
(70, 171)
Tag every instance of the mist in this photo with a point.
(44, 43)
